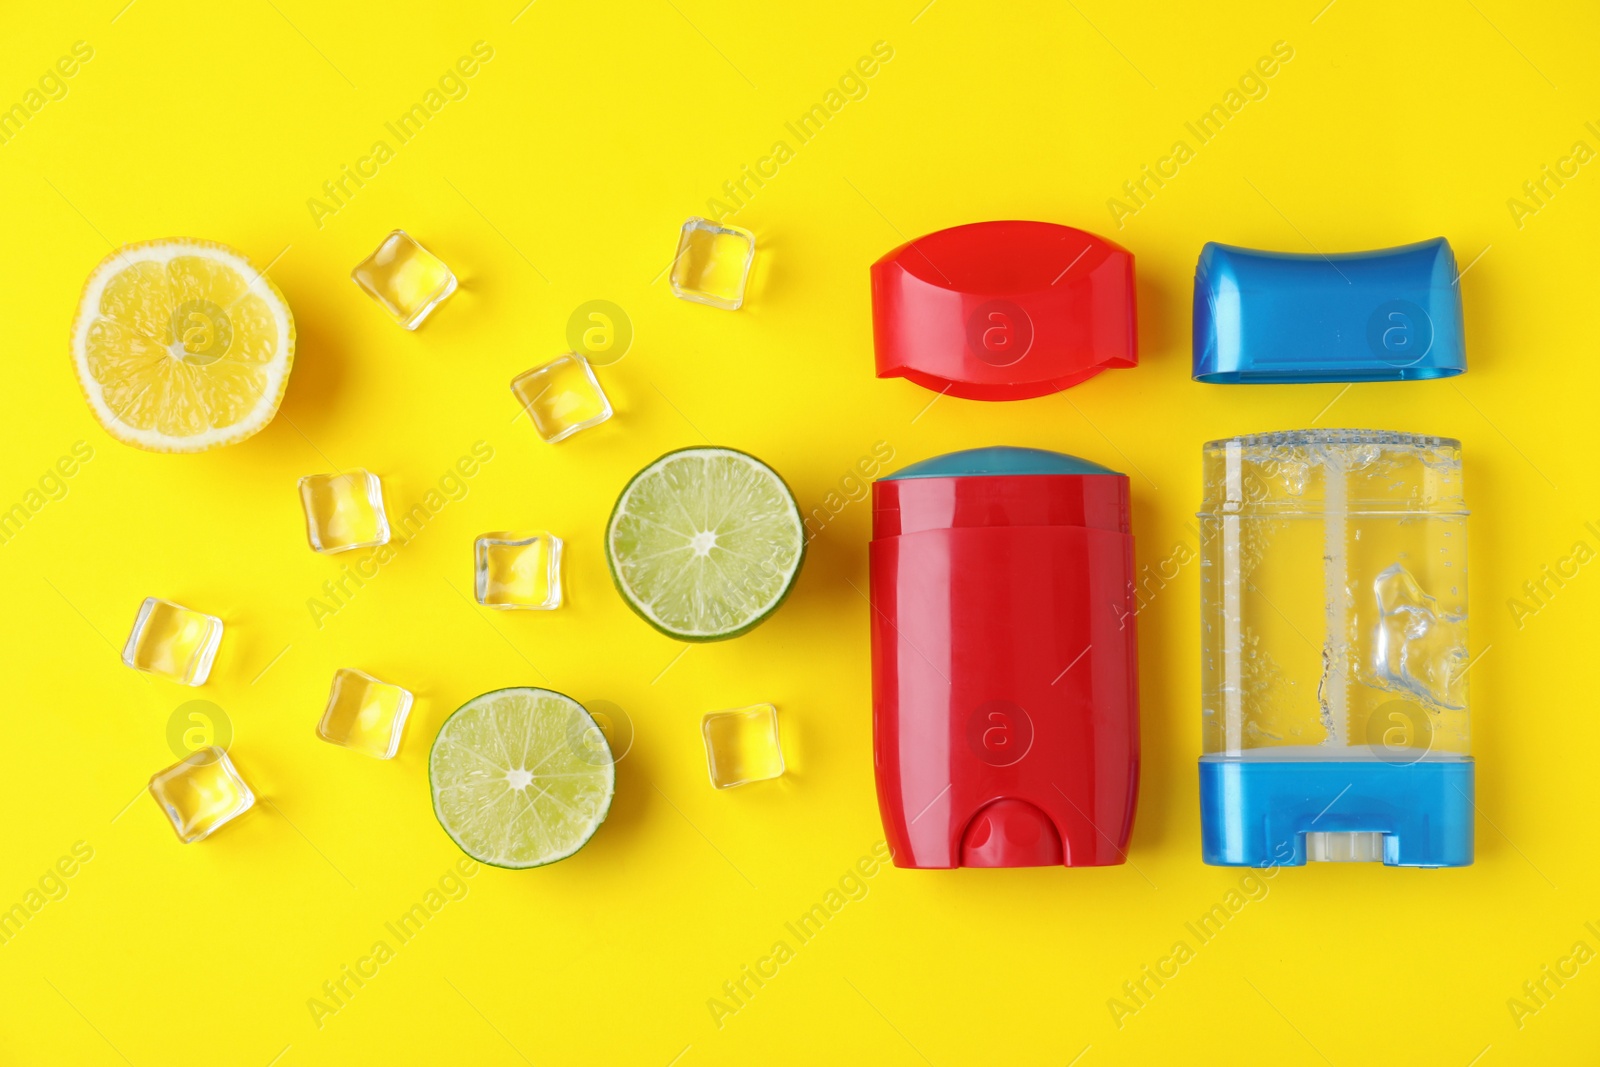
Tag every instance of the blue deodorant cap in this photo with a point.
(1393, 314)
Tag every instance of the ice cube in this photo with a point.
(713, 263)
(201, 792)
(174, 641)
(365, 714)
(562, 397)
(742, 745)
(344, 511)
(406, 279)
(518, 571)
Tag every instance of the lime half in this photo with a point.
(521, 777)
(705, 543)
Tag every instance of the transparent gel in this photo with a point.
(742, 745)
(1334, 585)
(174, 641)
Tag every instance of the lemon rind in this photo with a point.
(164, 251)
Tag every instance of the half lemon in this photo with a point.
(181, 345)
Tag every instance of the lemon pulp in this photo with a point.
(182, 346)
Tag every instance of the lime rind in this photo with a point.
(705, 544)
(515, 779)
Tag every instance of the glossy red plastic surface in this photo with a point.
(1004, 310)
(1005, 680)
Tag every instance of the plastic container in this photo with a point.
(1005, 682)
(1334, 650)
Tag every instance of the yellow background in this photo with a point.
(563, 176)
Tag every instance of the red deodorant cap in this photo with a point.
(1004, 310)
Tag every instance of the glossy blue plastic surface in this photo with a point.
(1393, 314)
(1257, 813)
(999, 460)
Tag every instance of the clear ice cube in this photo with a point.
(518, 571)
(562, 397)
(172, 640)
(201, 792)
(713, 263)
(742, 745)
(407, 280)
(365, 714)
(344, 511)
